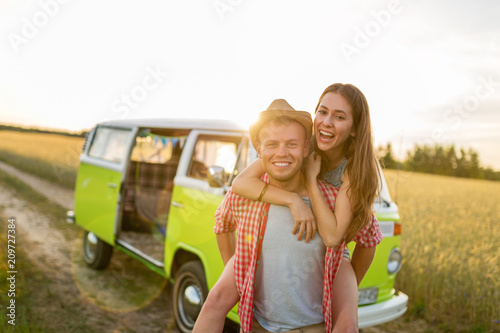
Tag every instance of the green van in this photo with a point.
(150, 189)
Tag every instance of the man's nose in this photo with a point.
(282, 150)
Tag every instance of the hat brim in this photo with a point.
(302, 117)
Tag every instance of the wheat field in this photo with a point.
(450, 240)
(450, 243)
(51, 156)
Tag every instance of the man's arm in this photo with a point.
(362, 258)
(227, 245)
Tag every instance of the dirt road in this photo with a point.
(105, 303)
(60, 195)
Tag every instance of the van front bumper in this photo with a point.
(375, 314)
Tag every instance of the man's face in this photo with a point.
(282, 149)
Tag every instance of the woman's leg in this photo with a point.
(345, 299)
(221, 299)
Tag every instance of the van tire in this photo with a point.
(96, 253)
(189, 279)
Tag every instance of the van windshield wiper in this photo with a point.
(384, 202)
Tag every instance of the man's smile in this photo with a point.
(281, 164)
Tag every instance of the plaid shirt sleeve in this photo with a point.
(370, 235)
(329, 193)
(243, 215)
(224, 217)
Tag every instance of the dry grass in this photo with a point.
(451, 248)
(51, 156)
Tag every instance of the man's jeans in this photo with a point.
(318, 328)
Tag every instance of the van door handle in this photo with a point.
(112, 185)
(176, 204)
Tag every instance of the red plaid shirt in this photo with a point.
(249, 218)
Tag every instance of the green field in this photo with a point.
(450, 236)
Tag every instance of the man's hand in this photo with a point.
(304, 221)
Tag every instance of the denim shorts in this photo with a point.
(347, 254)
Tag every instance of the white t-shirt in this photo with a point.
(289, 278)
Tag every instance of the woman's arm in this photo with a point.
(250, 185)
(332, 226)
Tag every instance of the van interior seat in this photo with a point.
(148, 190)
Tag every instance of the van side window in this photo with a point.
(110, 144)
(157, 149)
(214, 151)
(151, 172)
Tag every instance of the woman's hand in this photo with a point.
(312, 167)
(303, 219)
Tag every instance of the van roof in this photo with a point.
(176, 123)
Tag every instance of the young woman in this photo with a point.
(343, 155)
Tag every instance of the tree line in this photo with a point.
(437, 159)
(38, 130)
(440, 160)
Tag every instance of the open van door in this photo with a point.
(98, 185)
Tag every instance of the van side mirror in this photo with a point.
(216, 176)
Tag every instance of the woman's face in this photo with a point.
(333, 123)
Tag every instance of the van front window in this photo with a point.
(110, 144)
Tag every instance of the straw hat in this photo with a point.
(280, 108)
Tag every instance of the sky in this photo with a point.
(430, 69)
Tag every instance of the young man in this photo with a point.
(288, 275)
(280, 281)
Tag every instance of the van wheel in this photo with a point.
(190, 292)
(96, 253)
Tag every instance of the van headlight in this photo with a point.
(394, 263)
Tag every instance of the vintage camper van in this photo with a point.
(150, 188)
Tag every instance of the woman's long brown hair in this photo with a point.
(362, 164)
